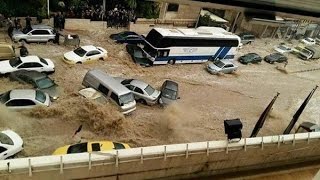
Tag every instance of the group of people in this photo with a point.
(59, 21)
(120, 17)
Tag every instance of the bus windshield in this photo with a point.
(154, 37)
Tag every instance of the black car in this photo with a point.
(38, 80)
(250, 58)
(127, 37)
(169, 92)
(247, 38)
(276, 57)
(138, 55)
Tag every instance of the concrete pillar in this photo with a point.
(163, 10)
(264, 31)
(235, 22)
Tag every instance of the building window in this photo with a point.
(173, 7)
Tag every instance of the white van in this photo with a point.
(110, 88)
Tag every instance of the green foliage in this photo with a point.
(147, 9)
(131, 4)
(207, 21)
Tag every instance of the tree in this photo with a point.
(131, 4)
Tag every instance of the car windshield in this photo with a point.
(80, 52)
(43, 61)
(126, 98)
(44, 83)
(284, 48)
(5, 97)
(170, 94)
(304, 51)
(4, 139)
(219, 64)
(309, 40)
(126, 81)
(15, 62)
(150, 90)
(78, 148)
(40, 96)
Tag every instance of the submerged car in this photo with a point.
(24, 98)
(129, 37)
(250, 58)
(38, 80)
(169, 92)
(93, 146)
(85, 54)
(10, 144)
(308, 41)
(143, 92)
(283, 49)
(221, 66)
(138, 55)
(37, 33)
(27, 63)
(275, 57)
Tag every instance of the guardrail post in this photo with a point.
(117, 158)
(227, 148)
(294, 139)
(61, 165)
(165, 152)
(30, 168)
(245, 144)
(278, 141)
(8, 164)
(308, 141)
(187, 151)
(141, 156)
(90, 161)
(208, 150)
(262, 144)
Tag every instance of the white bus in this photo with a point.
(170, 46)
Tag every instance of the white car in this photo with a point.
(29, 63)
(10, 144)
(85, 54)
(221, 66)
(308, 41)
(24, 98)
(142, 91)
(283, 49)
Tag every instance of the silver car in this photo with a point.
(221, 66)
(24, 98)
(142, 91)
(38, 33)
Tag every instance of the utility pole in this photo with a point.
(48, 8)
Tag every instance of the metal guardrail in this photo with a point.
(117, 157)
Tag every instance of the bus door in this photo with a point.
(163, 53)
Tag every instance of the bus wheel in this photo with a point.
(172, 61)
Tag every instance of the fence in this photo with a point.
(175, 161)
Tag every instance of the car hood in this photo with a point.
(17, 32)
(155, 94)
(53, 92)
(61, 150)
(50, 63)
(17, 140)
(166, 101)
(5, 67)
(213, 67)
(72, 56)
(114, 36)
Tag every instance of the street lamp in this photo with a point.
(48, 8)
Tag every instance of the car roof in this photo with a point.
(89, 48)
(30, 59)
(31, 74)
(22, 94)
(139, 83)
(171, 85)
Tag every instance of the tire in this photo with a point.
(50, 41)
(79, 62)
(142, 101)
(172, 61)
(101, 59)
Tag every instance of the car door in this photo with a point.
(93, 55)
(32, 66)
(138, 93)
(228, 68)
(45, 35)
(20, 104)
(34, 35)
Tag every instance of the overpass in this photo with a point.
(307, 9)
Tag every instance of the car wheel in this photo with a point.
(50, 41)
(101, 59)
(142, 101)
(172, 61)
(79, 62)
(11, 157)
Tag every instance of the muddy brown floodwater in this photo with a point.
(206, 100)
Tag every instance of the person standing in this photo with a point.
(10, 31)
(28, 23)
(23, 50)
(15, 23)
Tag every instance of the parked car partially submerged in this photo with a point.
(283, 49)
(85, 54)
(308, 41)
(91, 146)
(28, 63)
(38, 80)
(142, 91)
(7, 51)
(246, 38)
(24, 98)
(129, 37)
(275, 57)
(138, 55)
(10, 144)
(221, 66)
(37, 33)
(169, 92)
(250, 58)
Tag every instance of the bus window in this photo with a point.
(163, 53)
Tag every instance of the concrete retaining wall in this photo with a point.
(170, 161)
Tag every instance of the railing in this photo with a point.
(31, 165)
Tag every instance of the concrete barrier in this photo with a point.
(170, 161)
